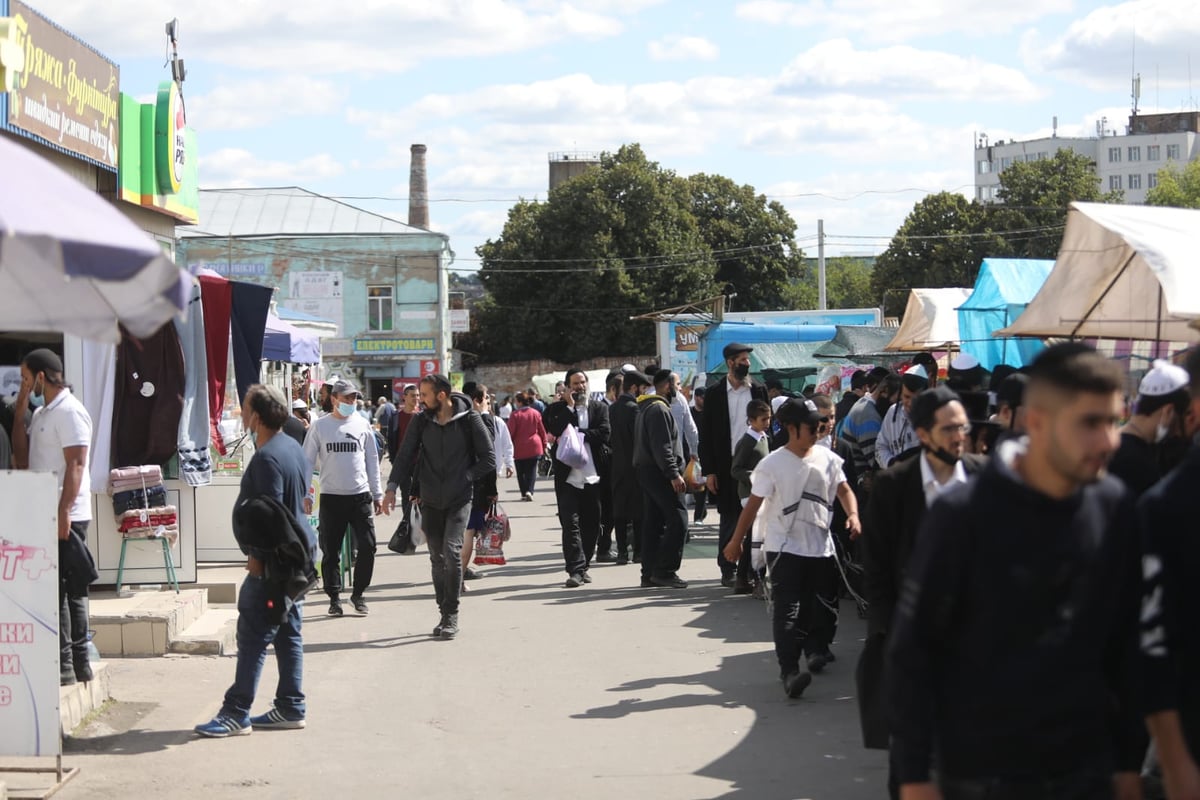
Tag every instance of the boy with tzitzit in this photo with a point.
(795, 488)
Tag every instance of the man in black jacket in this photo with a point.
(1171, 594)
(578, 490)
(626, 492)
(724, 423)
(449, 450)
(897, 506)
(658, 460)
(1013, 652)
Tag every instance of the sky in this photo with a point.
(847, 111)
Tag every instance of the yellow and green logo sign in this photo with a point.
(170, 147)
(158, 155)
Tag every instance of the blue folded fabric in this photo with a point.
(139, 498)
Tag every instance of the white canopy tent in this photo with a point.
(930, 320)
(1123, 272)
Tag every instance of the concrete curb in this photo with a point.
(75, 702)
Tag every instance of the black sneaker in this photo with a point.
(450, 626)
(671, 581)
(437, 629)
(605, 557)
(472, 575)
(587, 577)
(795, 683)
(742, 586)
(622, 559)
(574, 580)
(360, 605)
(647, 583)
(727, 581)
(67, 678)
(335, 608)
(83, 674)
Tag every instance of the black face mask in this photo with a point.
(943, 455)
(740, 371)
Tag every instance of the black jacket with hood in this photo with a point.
(450, 459)
(656, 440)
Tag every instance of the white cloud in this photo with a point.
(1096, 51)
(903, 71)
(234, 167)
(674, 47)
(366, 38)
(888, 20)
(262, 102)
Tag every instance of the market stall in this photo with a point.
(1003, 290)
(930, 320)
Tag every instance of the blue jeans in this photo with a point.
(254, 633)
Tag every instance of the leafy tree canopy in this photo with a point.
(627, 237)
(1177, 187)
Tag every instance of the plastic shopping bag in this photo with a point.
(572, 450)
(489, 547)
(497, 522)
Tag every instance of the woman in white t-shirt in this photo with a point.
(792, 495)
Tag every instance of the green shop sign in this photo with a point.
(158, 155)
(388, 347)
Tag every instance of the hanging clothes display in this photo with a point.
(217, 300)
(149, 398)
(248, 323)
(195, 461)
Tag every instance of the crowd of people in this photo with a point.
(1022, 547)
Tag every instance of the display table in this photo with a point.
(214, 520)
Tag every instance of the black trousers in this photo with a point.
(724, 534)
(607, 523)
(445, 529)
(579, 516)
(338, 512)
(626, 534)
(1092, 783)
(73, 622)
(804, 595)
(664, 524)
(526, 474)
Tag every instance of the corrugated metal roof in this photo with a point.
(284, 211)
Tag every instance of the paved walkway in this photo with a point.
(603, 691)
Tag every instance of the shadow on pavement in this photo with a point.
(127, 743)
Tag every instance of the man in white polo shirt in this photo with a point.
(57, 440)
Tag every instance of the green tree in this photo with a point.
(565, 275)
(1035, 196)
(940, 243)
(753, 241)
(1177, 187)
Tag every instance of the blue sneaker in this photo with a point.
(275, 720)
(222, 726)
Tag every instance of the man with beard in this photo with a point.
(626, 491)
(724, 423)
(1012, 657)
(577, 490)
(658, 462)
(898, 502)
(1170, 597)
(325, 395)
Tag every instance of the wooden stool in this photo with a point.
(167, 561)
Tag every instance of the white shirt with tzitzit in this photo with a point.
(798, 496)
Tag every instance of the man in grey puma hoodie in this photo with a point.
(447, 448)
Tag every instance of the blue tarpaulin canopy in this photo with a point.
(1002, 290)
(283, 341)
(716, 337)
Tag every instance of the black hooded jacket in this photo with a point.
(445, 460)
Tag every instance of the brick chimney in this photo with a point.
(418, 190)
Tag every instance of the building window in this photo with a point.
(1042, 156)
(1152, 152)
(379, 308)
(1114, 155)
(1114, 183)
(1172, 152)
(1151, 180)
(1135, 181)
(985, 167)
(1135, 153)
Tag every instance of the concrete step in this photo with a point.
(77, 701)
(143, 623)
(214, 633)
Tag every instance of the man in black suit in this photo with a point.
(898, 501)
(578, 490)
(626, 492)
(724, 423)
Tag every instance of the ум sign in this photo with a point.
(66, 93)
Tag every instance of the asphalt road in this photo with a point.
(603, 691)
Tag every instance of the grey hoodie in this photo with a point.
(451, 456)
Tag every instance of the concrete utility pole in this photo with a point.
(821, 303)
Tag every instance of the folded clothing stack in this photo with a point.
(140, 503)
(150, 523)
